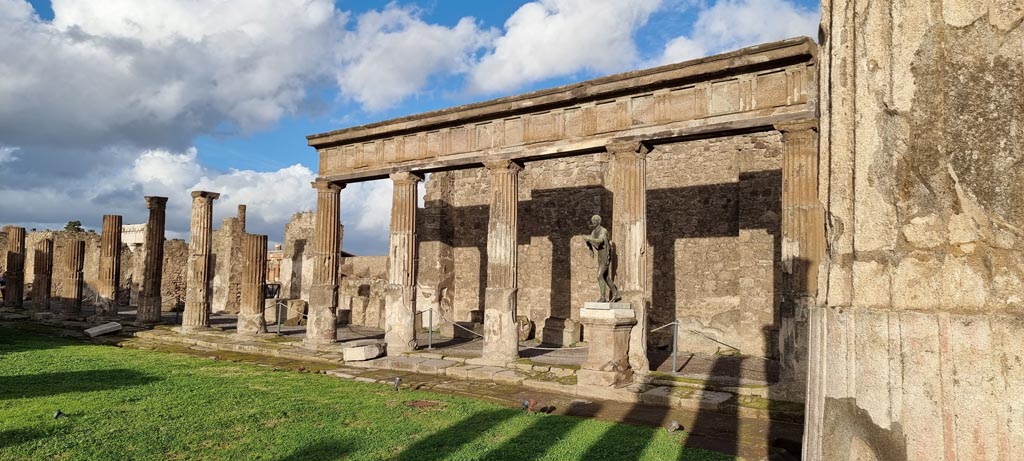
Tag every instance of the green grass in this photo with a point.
(126, 404)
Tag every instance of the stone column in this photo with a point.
(15, 292)
(400, 313)
(241, 217)
(802, 213)
(153, 265)
(254, 278)
(75, 263)
(321, 327)
(198, 277)
(43, 275)
(110, 266)
(501, 335)
(629, 235)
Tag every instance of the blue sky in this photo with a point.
(109, 101)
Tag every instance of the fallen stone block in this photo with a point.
(363, 352)
(106, 328)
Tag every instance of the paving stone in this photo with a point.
(363, 352)
(339, 374)
(562, 372)
(509, 377)
(404, 363)
(434, 366)
(484, 373)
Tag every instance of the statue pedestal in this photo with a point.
(608, 326)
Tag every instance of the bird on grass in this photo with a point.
(398, 380)
(58, 414)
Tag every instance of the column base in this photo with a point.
(501, 332)
(560, 332)
(399, 319)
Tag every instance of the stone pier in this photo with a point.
(150, 300)
(254, 273)
(43, 275)
(198, 277)
(109, 266)
(400, 309)
(74, 261)
(15, 292)
(629, 232)
(608, 358)
(501, 335)
(321, 327)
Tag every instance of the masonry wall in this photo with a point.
(713, 212)
(361, 291)
(918, 352)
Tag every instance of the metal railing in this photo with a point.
(675, 343)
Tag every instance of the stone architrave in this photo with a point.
(15, 292)
(629, 232)
(254, 273)
(608, 358)
(73, 285)
(150, 300)
(400, 308)
(198, 277)
(109, 266)
(501, 334)
(42, 281)
(321, 327)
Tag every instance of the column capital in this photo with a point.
(155, 202)
(509, 165)
(323, 185)
(205, 194)
(797, 126)
(627, 147)
(405, 177)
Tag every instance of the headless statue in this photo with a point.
(599, 242)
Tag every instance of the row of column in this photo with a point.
(198, 278)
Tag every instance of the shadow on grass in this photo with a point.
(12, 340)
(443, 443)
(322, 451)
(12, 437)
(534, 441)
(48, 384)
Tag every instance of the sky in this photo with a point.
(105, 101)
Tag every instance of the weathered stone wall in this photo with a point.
(227, 262)
(713, 212)
(297, 262)
(361, 294)
(918, 352)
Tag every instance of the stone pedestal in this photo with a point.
(399, 333)
(400, 304)
(43, 276)
(608, 326)
(198, 277)
(15, 291)
(150, 299)
(109, 266)
(254, 273)
(321, 327)
(72, 291)
(560, 332)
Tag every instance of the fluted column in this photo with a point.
(198, 277)
(43, 275)
(802, 213)
(150, 301)
(15, 292)
(110, 266)
(400, 314)
(254, 278)
(501, 337)
(74, 261)
(321, 327)
(629, 235)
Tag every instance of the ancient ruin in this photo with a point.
(110, 266)
(15, 290)
(151, 298)
(200, 266)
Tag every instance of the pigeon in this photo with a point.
(525, 405)
(398, 380)
(673, 426)
(58, 414)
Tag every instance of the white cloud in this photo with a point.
(7, 154)
(392, 54)
(731, 24)
(549, 38)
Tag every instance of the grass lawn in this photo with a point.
(124, 404)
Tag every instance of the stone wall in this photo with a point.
(297, 262)
(918, 350)
(361, 294)
(227, 263)
(713, 212)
